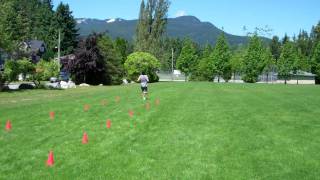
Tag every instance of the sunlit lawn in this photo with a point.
(197, 131)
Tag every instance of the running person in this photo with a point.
(143, 78)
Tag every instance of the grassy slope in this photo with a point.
(199, 130)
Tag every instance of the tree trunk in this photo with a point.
(234, 76)
(218, 78)
(285, 81)
(267, 78)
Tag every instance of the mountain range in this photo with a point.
(179, 27)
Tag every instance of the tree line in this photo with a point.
(102, 60)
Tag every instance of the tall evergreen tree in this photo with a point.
(221, 57)
(113, 60)
(285, 39)
(275, 47)
(151, 26)
(205, 68)
(316, 62)
(236, 61)
(67, 25)
(287, 60)
(253, 63)
(188, 58)
(268, 62)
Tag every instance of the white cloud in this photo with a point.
(181, 13)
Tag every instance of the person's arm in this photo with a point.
(147, 78)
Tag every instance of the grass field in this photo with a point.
(198, 131)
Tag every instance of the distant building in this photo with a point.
(301, 77)
(33, 48)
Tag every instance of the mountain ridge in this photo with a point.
(179, 27)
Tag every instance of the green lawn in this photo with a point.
(198, 131)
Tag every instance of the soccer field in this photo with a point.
(184, 131)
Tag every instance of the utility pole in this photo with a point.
(59, 46)
(172, 63)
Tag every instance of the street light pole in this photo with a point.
(172, 63)
(59, 46)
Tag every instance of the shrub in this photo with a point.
(142, 62)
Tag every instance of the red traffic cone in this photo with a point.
(104, 102)
(147, 106)
(51, 114)
(157, 102)
(131, 113)
(117, 99)
(50, 160)
(8, 125)
(86, 107)
(108, 123)
(85, 138)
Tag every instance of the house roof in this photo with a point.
(35, 44)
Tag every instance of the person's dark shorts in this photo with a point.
(144, 89)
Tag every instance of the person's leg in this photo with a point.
(146, 93)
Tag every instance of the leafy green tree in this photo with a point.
(89, 65)
(123, 47)
(253, 62)
(47, 69)
(113, 60)
(45, 27)
(221, 58)
(285, 39)
(6, 42)
(287, 60)
(67, 24)
(11, 70)
(269, 62)
(26, 67)
(236, 61)
(301, 63)
(151, 26)
(316, 62)
(303, 43)
(275, 47)
(142, 62)
(205, 69)
(188, 58)
(315, 34)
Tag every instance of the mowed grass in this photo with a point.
(198, 131)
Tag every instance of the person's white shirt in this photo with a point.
(144, 80)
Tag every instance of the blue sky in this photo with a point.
(283, 16)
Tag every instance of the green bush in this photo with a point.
(11, 70)
(142, 62)
(47, 69)
(26, 67)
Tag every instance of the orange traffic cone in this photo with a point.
(157, 102)
(86, 107)
(131, 113)
(104, 102)
(85, 138)
(117, 99)
(108, 124)
(147, 106)
(50, 160)
(51, 114)
(8, 125)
